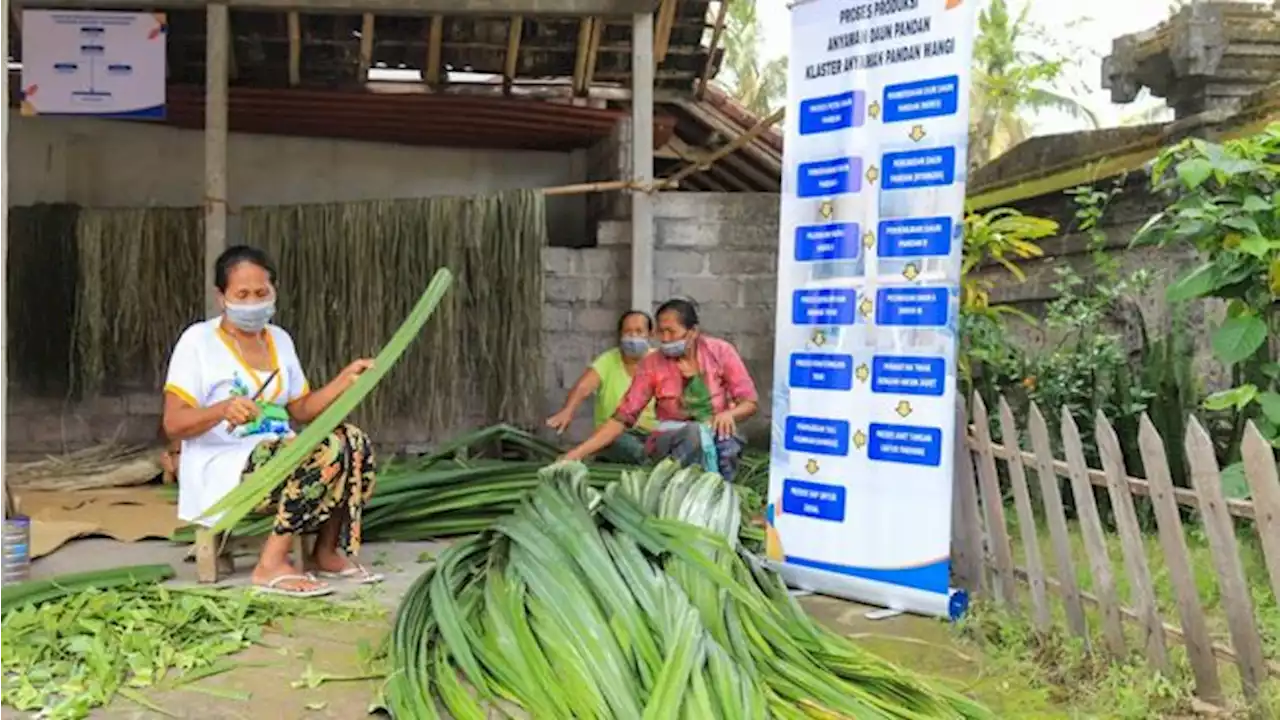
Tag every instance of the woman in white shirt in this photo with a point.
(235, 387)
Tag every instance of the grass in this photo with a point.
(1097, 687)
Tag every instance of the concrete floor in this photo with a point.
(268, 673)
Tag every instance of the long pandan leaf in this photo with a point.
(257, 487)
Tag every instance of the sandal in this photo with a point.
(273, 587)
(355, 572)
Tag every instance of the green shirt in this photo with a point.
(614, 381)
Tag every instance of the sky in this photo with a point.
(1088, 24)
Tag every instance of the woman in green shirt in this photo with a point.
(609, 377)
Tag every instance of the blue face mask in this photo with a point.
(634, 347)
(252, 317)
(675, 348)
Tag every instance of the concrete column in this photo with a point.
(217, 46)
(4, 259)
(642, 161)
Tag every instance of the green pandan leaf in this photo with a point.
(257, 487)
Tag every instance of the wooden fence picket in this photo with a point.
(1132, 546)
(1056, 519)
(1173, 543)
(993, 507)
(1264, 487)
(1095, 543)
(1026, 520)
(1220, 530)
(966, 542)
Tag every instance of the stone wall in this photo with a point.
(719, 249)
(1123, 218)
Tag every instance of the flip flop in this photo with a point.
(355, 572)
(273, 587)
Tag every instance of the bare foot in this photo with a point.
(264, 574)
(329, 561)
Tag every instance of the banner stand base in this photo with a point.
(894, 598)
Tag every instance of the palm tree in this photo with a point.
(761, 87)
(1010, 82)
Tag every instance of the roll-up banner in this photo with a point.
(871, 226)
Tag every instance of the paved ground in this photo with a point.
(268, 675)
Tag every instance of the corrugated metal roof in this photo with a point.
(414, 119)
(711, 122)
(441, 120)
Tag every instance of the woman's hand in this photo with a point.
(239, 411)
(724, 425)
(560, 421)
(574, 454)
(353, 371)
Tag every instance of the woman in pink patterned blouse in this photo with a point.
(702, 391)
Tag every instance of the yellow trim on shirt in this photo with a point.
(257, 379)
(181, 394)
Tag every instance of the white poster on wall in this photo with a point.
(871, 226)
(93, 63)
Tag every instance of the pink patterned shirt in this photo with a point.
(658, 377)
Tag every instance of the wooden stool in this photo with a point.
(210, 564)
(213, 559)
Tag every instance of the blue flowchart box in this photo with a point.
(913, 307)
(907, 375)
(815, 500)
(920, 99)
(930, 167)
(914, 237)
(905, 444)
(833, 112)
(823, 178)
(834, 241)
(825, 306)
(821, 371)
(819, 436)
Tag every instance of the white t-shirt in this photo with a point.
(206, 368)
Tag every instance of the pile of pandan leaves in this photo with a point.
(631, 600)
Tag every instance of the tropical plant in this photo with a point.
(1001, 236)
(1226, 204)
(759, 84)
(1011, 80)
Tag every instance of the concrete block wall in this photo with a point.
(719, 249)
(39, 427)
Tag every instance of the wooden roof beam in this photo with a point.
(431, 74)
(662, 36)
(512, 61)
(366, 47)
(295, 49)
(585, 28)
(593, 52)
(717, 31)
(607, 8)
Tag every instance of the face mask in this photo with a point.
(250, 317)
(634, 346)
(675, 348)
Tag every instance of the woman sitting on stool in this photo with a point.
(234, 388)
